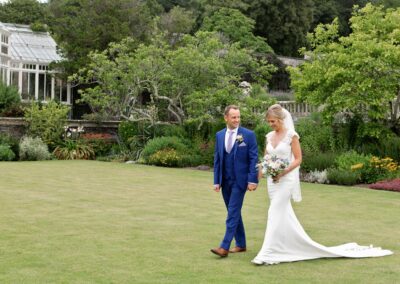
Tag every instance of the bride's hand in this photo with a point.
(278, 177)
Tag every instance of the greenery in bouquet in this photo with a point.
(273, 166)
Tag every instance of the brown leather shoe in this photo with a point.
(220, 251)
(237, 249)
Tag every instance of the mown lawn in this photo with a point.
(96, 222)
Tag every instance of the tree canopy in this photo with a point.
(159, 83)
(356, 75)
(82, 26)
(23, 12)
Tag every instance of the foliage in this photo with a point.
(368, 168)
(348, 159)
(391, 185)
(283, 23)
(8, 140)
(9, 97)
(23, 12)
(261, 130)
(38, 27)
(317, 176)
(315, 136)
(33, 149)
(6, 154)
(176, 22)
(165, 157)
(100, 146)
(162, 143)
(73, 150)
(342, 177)
(388, 147)
(47, 122)
(354, 76)
(82, 26)
(201, 151)
(157, 83)
(237, 28)
(379, 169)
(133, 137)
(318, 161)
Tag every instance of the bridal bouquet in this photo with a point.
(273, 166)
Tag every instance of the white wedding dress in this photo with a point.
(285, 239)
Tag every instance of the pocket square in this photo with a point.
(242, 144)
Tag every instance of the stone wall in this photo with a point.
(16, 127)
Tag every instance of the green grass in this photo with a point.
(96, 222)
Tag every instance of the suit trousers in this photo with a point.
(233, 197)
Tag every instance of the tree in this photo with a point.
(81, 26)
(236, 27)
(283, 23)
(159, 83)
(356, 75)
(23, 12)
(170, 4)
(176, 22)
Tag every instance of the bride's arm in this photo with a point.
(296, 150)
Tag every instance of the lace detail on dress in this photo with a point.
(287, 139)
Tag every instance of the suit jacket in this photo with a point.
(245, 157)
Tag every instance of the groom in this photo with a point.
(235, 160)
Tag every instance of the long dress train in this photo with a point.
(285, 239)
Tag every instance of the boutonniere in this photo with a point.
(239, 138)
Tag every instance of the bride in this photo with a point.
(285, 239)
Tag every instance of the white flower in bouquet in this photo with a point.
(273, 166)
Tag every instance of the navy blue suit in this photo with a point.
(233, 171)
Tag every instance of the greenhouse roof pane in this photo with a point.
(26, 45)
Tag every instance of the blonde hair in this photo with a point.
(276, 111)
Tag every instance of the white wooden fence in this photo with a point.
(297, 109)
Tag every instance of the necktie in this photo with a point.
(229, 144)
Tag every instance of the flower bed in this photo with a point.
(391, 185)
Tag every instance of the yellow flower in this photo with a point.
(357, 166)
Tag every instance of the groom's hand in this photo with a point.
(217, 188)
(251, 186)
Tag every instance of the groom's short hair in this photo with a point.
(228, 108)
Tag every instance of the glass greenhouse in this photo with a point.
(24, 63)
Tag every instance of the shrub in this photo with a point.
(101, 143)
(392, 185)
(202, 152)
(317, 176)
(379, 169)
(9, 97)
(315, 137)
(317, 161)
(73, 150)
(170, 130)
(165, 157)
(389, 147)
(6, 139)
(348, 159)
(261, 130)
(342, 177)
(161, 143)
(33, 149)
(133, 137)
(6, 154)
(47, 122)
